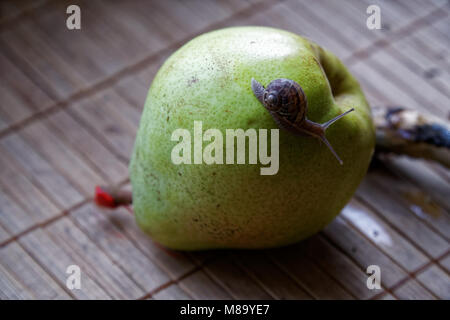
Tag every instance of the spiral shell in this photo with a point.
(286, 98)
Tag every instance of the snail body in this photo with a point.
(287, 104)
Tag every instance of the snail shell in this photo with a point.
(285, 101)
(286, 98)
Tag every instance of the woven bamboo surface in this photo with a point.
(56, 144)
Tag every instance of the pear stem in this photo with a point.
(112, 197)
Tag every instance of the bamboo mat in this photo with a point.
(56, 144)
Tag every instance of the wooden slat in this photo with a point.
(436, 280)
(363, 252)
(384, 82)
(134, 88)
(400, 13)
(196, 15)
(13, 217)
(442, 27)
(72, 45)
(11, 9)
(387, 296)
(4, 235)
(423, 176)
(80, 139)
(432, 44)
(115, 35)
(294, 261)
(10, 288)
(277, 283)
(24, 195)
(383, 236)
(158, 17)
(20, 96)
(338, 266)
(55, 260)
(175, 264)
(426, 96)
(133, 91)
(103, 117)
(185, 19)
(8, 9)
(287, 16)
(350, 20)
(36, 281)
(354, 14)
(420, 6)
(100, 24)
(419, 201)
(38, 59)
(130, 22)
(146, 75)
(234, 280)
(122, 251)
(421, 60)
(34, 166)
(312, 17)
(173, 292)
(3, 121)
(443, 172)
(64, 158)
(413, 85)
(380, 199)
(374, 89)
(413, 290)
(199, 286)
(213, 10)
(124, 109)
(114, 280)
(445, 263)
(138, 27)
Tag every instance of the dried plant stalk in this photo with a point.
(409, 132)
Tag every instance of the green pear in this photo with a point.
(205, 206)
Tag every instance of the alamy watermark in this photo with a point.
(74, 279)
(374, 280)
(73, 21)
(374, 20)
(214, 152)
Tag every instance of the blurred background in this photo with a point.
(69, 109)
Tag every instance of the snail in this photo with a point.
(287, 104)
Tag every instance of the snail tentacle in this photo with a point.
(258, 90)
(328, 144)
(330, 122)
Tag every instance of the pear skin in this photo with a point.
(207, 206)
